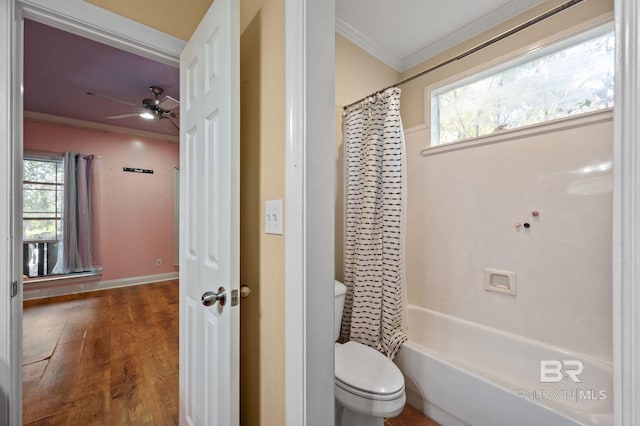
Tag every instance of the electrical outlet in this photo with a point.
(273, 217)
(158, 262)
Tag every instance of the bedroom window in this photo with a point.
(568, 78)
(43, 188)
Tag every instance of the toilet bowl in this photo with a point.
(368, 386)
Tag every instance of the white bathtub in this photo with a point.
(462, 373)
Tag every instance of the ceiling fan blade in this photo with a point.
(168, 103)
(170, 125)
(109, 98)
(175, 114)
(127, 115)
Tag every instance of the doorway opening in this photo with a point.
(87, 98)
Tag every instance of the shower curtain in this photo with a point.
(375, 308)
(81, 249)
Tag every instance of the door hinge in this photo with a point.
(14, 288)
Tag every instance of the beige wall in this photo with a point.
(169, 16)
(262, 174)
(412, 102)
(357, 75)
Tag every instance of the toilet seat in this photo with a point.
(369, 395)
(365, 372)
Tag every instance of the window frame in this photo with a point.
(558, 41)
(45, 157)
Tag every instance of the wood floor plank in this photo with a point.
(410, 417)
(115, 361)
(49, 332)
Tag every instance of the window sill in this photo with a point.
(48, 281)
(523, 132)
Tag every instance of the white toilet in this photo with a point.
(368, 386)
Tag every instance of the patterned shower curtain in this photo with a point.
(375, 308)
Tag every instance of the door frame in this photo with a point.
(86, 20)
(11, 320)
(310, 177)
(626, 216)
(93, 22)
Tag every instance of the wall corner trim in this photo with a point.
(626, 216)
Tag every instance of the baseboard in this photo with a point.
(48, 289)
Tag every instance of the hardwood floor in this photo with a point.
(410, 417)
(102, 358)
(111, 358)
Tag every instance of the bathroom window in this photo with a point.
(568, 78)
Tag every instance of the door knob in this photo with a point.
(209, 298)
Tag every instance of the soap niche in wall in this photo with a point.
(499, 281)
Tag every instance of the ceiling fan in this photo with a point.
(165, 110)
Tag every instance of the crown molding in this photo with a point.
(91, 125)
(357, 37)
(474, 28)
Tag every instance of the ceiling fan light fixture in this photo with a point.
(159, 110)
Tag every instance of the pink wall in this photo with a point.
(138, 209)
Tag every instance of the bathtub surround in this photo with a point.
(374, 259)
(462, 205)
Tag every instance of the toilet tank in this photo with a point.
(340, 293)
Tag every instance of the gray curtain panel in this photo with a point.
(81, 214)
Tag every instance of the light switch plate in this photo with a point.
(273, 217)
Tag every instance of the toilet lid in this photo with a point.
(363, 368)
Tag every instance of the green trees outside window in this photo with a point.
(43, 200)
(558, 83)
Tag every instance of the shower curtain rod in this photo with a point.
(481, 46)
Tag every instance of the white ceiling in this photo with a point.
(404, 33)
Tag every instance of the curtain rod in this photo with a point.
(481, 46)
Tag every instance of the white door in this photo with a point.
(209, 220)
